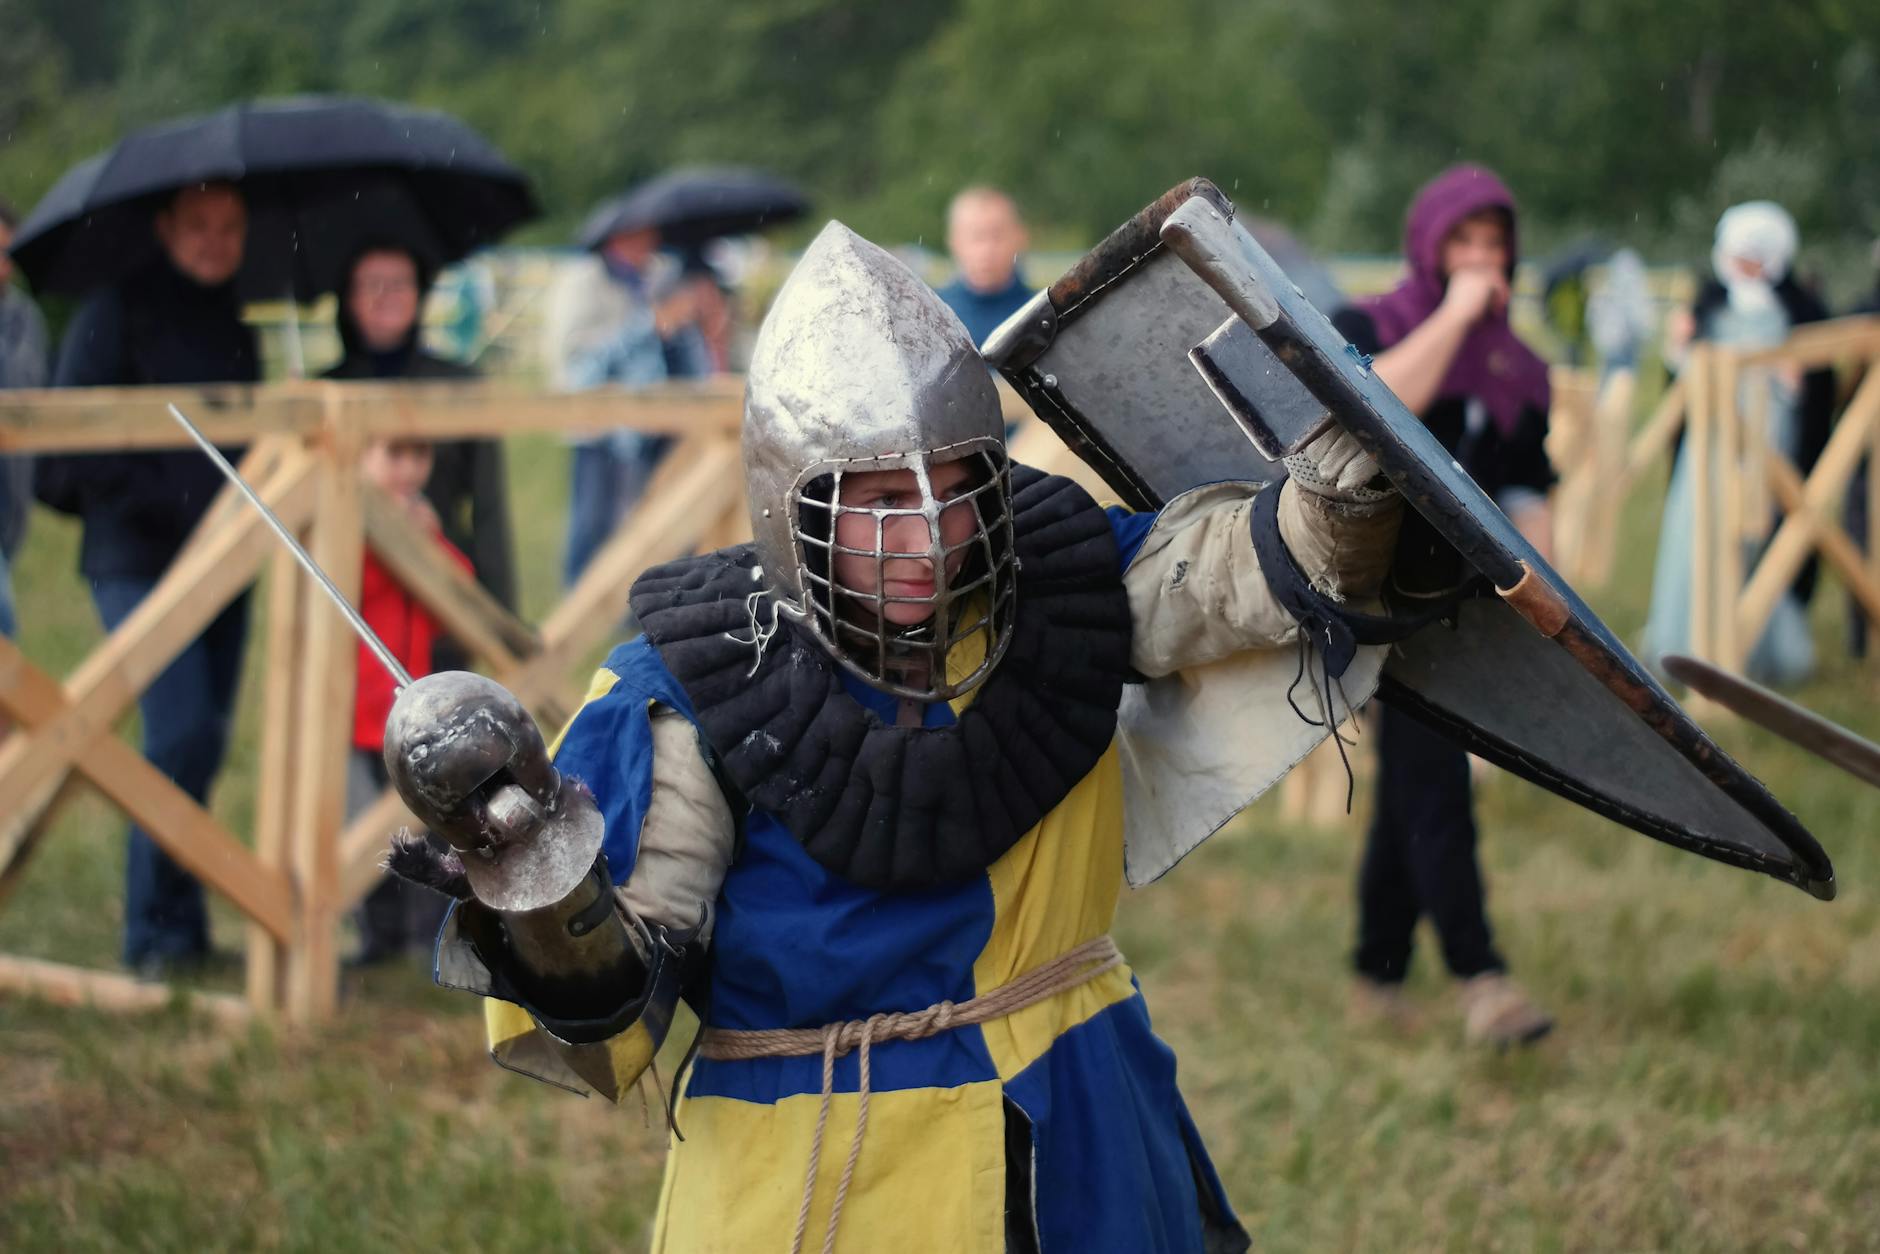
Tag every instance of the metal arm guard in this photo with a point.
(576, 966)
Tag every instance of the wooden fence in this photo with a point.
(306, 865)
(1737, 580)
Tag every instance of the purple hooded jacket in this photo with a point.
(1492, 365)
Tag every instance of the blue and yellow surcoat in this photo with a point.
(1116, 1161)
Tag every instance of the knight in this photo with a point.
(857, 796)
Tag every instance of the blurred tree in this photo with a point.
(1603, 114)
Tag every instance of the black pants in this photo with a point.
(1419, 858)
(396, 916)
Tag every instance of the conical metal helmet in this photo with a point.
(860, 368)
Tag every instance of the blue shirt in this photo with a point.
(982, 312)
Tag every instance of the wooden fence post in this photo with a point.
(1732, 451)
(325, 706)
(280, 724)
(1699, 429)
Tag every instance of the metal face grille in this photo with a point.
(972, 583)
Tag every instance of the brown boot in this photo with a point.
(1497, 1011)
(1379, 1006)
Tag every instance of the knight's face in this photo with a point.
(906, 565)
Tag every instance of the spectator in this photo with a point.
(22, 365)
(703, 345)
(1750, 302)
(176, 322)
(1854, 512)
(379, 330)
(1443, 344)
(610, 319)
(986, 236)
(396, 916)
(1619, 316)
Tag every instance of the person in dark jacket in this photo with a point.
(1854, 512)
(22, 365)
(176, 322)
(379, 329)
(1443, 343)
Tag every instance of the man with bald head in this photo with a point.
(177, 321)
(985, 234)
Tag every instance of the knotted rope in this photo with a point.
(1067, 971)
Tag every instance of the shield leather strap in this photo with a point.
(1334, 629)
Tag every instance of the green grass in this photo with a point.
(1714, 1083)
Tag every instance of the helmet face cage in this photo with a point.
(980, 597)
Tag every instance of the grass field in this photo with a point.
(1714, 1083)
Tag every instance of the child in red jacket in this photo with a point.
(396, 916)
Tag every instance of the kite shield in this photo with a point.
(1177, 353)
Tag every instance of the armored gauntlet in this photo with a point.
(471, 765)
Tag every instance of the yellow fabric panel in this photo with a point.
(1052, 891)
(505, 1021)
(598, 687)
(609, 1068)
(631, 1053)
(966, 655)
(931, 1176)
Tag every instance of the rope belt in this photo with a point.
(1067, 971)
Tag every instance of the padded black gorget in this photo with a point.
(899, 809)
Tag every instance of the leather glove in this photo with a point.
(1335, 466)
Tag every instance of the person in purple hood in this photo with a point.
(1442, 341)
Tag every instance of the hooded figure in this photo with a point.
(1443, 342)
(1751, 301)
(1752, 298)
(380, 321)
(862, 780)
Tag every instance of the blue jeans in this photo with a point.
(187, 712)
(608, 478)
(9, 625)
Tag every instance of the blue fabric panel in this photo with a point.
(796, 946)
(1117, 1155)
(609, 747)
(1131, 530)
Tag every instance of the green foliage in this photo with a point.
(1637, 121)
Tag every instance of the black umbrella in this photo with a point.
(321, 175)
(693, 204)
